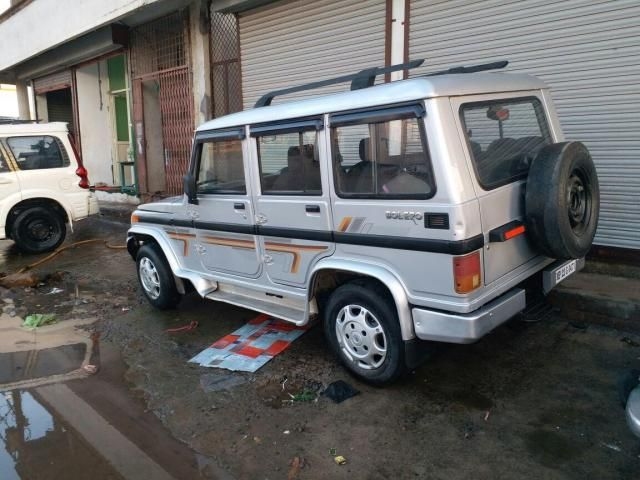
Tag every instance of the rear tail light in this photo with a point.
(466, 272)
(80, 171)
(84, 179)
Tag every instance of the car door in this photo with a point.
(503, 134)
(292, 204)
(9, 186)
(223, 216)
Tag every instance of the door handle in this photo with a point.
(238, 206)
(312, 208)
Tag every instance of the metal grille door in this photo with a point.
(225, 64)
(160, 52)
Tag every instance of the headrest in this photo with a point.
(364, 148)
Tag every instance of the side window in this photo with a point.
(503, 137)
(289, 163)
(3, 163)
(382, 159)
(220, 167)
(36, 153)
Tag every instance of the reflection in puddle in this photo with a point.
(39, 445)
(27, 365)
(65, 431)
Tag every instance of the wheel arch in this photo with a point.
(331, 273)
(45, 202)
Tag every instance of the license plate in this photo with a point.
(565, 270)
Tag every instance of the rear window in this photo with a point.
(503, 137)
(38, 152)
(382, 159)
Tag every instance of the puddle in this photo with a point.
(57, 421)
(87, 428)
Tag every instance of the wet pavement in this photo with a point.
(531, 400)
(66, 411)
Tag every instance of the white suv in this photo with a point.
(43, 185)
(422, 209)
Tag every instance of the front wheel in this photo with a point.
(156, 278)
(361, 324)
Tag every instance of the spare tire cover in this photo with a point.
(562, 200)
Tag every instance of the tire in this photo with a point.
(562, 200)
(156, 278)
(361, 325)
(38, 230)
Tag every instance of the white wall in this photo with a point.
(8, 101)
(44, 24)
(96, 134)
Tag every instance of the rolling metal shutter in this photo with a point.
(586, 50)
(50, 83)
(295, 42)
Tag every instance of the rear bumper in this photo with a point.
(468, 327)
(93, 206)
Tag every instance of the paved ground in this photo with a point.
(531, 400)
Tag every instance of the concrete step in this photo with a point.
(600, 298)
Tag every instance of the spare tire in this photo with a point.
(562, 200)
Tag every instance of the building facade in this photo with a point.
(133, 79)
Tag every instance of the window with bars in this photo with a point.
(225, 64)
(160, 45)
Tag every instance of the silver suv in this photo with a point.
(403, 212)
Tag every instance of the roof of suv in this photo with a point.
(388, 93)
(32, 128)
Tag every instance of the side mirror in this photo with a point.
(189, 182)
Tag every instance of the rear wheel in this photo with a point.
(38, 230)
(362, 327)
(156, 278)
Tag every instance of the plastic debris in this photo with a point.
(90, 369)
(54, 291)
(339, 391)
(340, 460)
(39, 319)
(185, 328)
(333, 452)
(287, 432)
(216, 381)
(297, 464)
(251, 346)
(304, 396)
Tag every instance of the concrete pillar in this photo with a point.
(23, 100)
(398, 46)
(199, 28)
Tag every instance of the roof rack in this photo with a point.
(363, 79)
(367, 77)
(471, 69)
